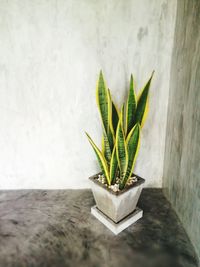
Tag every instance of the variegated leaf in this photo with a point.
(102, 97)
(130, 107)
(142, 103)
(132, 142)
(113, 166)
(121, 149)
(101, 159)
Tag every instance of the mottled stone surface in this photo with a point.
(182, 155)
(55, 228)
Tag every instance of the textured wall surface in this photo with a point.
(182, 155)
(51, 52)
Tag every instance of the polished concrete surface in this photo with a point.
(56, 228)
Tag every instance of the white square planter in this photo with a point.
(116, 228)
(116, 205)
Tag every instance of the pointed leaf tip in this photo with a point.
(152, 74)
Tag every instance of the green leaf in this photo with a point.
(107, 150)
(133, 141)
(113, 166)
(111, 139)
(105, 107)
(122, 115)
(115, 117)
(110, 133)
(142, 103)
(121, 150)
(130, 107)
(102, 97)
(101, 159)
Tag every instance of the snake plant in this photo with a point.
(121, 131)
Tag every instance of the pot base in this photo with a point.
(116, 228)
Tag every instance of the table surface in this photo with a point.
(56, 228)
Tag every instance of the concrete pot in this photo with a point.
(116, 205)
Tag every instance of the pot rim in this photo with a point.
(136, 184)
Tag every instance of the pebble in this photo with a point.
(114, 187)
(101, 179)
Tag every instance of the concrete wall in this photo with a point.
(182, 154)
(50, 56)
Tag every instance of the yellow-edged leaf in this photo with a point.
(113, 166)
(110, 134)
(142, 103)
(107, 149)
(132, 142)
(122, 115)
(102, 97)
(110, 113)
(114, 118)
(101, 159)
(130, 107)
(102, 144)
(121, 149)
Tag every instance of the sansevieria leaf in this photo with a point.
(132, 142)
(101, 159)
(121, 150)
(107, 150)
(102, 97)
(130, 107)
(115, 116)
(142, 103)
(110, 133)
(111, 138)
(113, 166)
(108, 144)
(122, 115)
(103, 145)
(121, 131)
(110, 112)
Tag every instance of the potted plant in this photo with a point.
(116, 189)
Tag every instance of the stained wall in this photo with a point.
(50, 56)
(181, 178)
